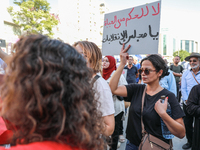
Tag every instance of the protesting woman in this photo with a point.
(153, 68)
(48, 101)
(109, 67)
(93, 56)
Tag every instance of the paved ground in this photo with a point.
(177, 143)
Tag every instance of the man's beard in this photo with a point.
(194, 67)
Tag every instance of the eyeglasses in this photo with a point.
(194, 60)
(146, 71)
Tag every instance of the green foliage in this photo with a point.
(33, 16)
(182, 54)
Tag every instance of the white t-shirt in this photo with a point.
(118, 105)
(104, 97)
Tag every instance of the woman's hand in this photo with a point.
(176, 127)
(124, 55)
(161, 107)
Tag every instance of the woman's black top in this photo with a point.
(151, 120)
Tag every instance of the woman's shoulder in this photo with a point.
(47, 145)
(171, 96)
(101, 84)
(135, 86)
(167, 93)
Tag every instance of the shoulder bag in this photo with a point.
(150, 142)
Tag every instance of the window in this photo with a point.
(187, 45)
(181, 45)
(174, 45)
(192, 46)
(164, 45)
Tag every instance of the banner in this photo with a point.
(137, 26)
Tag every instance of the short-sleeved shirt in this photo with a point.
(177, 69)
(151, 120)
(131, 74)
(104, 97)
(118, 104)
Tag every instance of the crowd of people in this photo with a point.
(60, 96)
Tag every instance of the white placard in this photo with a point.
(138, 26)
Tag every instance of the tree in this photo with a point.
(34, 17)
(182, 54)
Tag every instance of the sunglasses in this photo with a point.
(194, 60)
(146, 71)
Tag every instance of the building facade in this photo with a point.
(81, 20)
(169, 43)
(189, 45)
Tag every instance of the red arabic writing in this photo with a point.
(117, 22)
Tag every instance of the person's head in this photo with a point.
(91, 53)
(130, 60)
(153, 68)
(176, 60)
(47, 95)
(135, 60)
(105, 63)
(194, 62)
(109, 62)
(109, 65)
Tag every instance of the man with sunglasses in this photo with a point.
(190, 78)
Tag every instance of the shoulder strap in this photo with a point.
(195, 78)
(94, 79)
(181, 68)
(171, 67)
(142, 124)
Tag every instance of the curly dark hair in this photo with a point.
(158, 63)
(47, 95)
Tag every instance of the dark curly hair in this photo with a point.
(158, 63)
(47, 95)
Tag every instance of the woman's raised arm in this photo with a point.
(119, 90)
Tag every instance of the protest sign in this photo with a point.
(138, 26)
